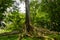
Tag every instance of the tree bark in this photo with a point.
(29, 28)
(27, 14)
(27, 11)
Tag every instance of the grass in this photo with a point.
(4, 30)
(11, 37)
(29, 38)
(57, 37)
(15, 37)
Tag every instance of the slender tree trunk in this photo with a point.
(28, 26)
(27, 14)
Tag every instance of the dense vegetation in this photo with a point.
(40, 22)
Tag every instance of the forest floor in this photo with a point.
(36, 34)
(10, 37)
(15, 37)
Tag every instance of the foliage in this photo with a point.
(38, 17)
(52, 7)
(46, 14)
(14, 20)
(4, 4)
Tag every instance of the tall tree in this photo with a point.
(29, 27)
(27, 15)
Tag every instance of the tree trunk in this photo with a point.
(27, 14)
(28, 26)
